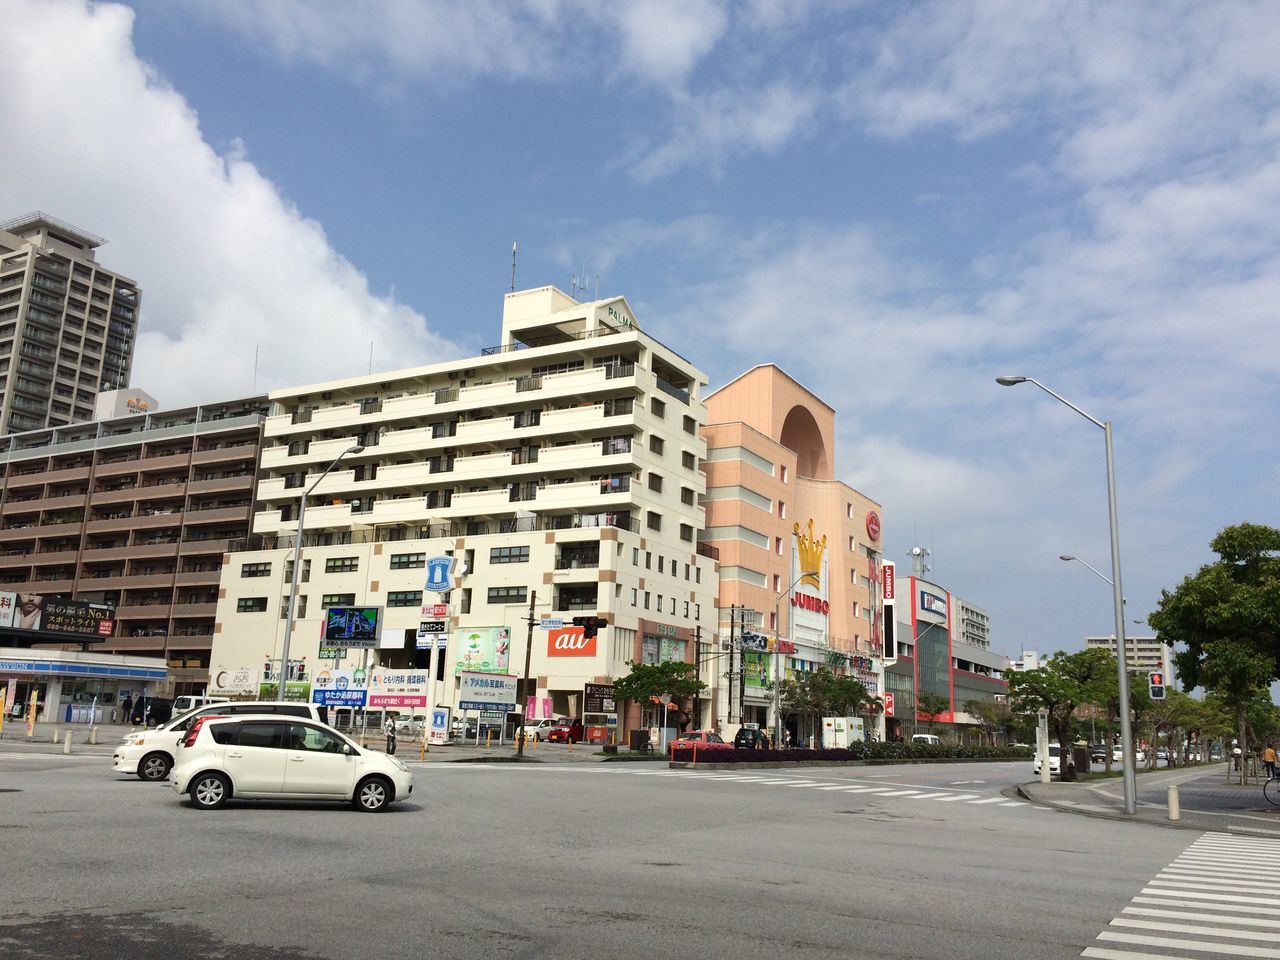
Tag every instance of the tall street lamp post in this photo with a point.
(777, 655)
(297, 565)
(1117, 596)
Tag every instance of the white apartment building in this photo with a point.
(562, 466)
(1144, 654)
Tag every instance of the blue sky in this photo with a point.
(894, 202)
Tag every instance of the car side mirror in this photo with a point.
(346, 749)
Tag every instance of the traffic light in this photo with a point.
(1155, 685)
(590, 625)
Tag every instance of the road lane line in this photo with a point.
(1197, 929)
(1178, 943)
(1259, 921)
(1100, 953)
(987, 800)
(1185, 905)
(1225, 882)
(959, 796)
(1225, 898)
(900, 793)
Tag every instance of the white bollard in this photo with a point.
(54, 738)
(1174, 812)
(66, 744)
(93, 734)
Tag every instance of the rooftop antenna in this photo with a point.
(597, 286)
(513, 266)
(370, 356)
(573, 286)
(918, 565)
(254, 388)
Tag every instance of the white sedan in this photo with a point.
(269, 757)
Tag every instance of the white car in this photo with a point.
(150, 753)
(538, 729)
(1055, 761)
(269, 757)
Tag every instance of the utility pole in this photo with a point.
(524, 687)
(733, 643)
(697, 676)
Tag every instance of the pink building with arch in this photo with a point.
(776, 511)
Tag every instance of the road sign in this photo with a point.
(431, 626)
(551, 623)
(888, 704)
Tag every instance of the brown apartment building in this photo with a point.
(135, 511)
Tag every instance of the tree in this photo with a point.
(647, 681)
(931, 706)
(993, 716)
(821, 693)
(1066, 681)
(1228, 618)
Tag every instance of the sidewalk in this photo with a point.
(1206, 800)
(14, 739)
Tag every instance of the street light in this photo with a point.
(297, 565)
(777, 655)
(1117, 596)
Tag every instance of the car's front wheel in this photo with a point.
(209, 791)
(373, 794)
(154, 766)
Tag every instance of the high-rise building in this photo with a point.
(135, 512)
(799, 550)
(1142, 654)
(67, 325)
(561, 466)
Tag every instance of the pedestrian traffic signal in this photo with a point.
(1155, 685)
(590, 625)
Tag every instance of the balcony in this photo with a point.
(214, 545)
(52, 586)
(118, 468)
(143, 611)
(198, 578)
(240, 484)
(18, 559)
(139, 551)
(67, 474)
(194, 609)
(47, 557)
(122, 523)
(216, 515)
(152, 581)
(123, 495)
(240, 451)
(171, 461)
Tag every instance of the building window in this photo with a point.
(509, 555)
(690, 425)
(686, 532)
(408, 561)
(653, 520)
(255, 569)
(688, 460)
(635, 594)
(686, 609)
(697, 611)
(853, 545)
(782, 509)
(656, 444)
(659, 608)
(648, 560)
(848, 509)
(342, 565)
(404, 598)
(777, 583)
(500, 595)
(251, 605)
(661, 563)
(686, 496)
(635, 556)
(646, 599)
(784, 474)
(338, 600)
(300, 613)
(777, 545)
(657, 408)
(655, 482)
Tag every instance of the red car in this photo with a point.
(702, 739)
(569, 732)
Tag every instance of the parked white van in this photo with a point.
(929, 738)
(150, 753)
(183, 704)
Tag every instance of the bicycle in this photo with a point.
(1271, 790)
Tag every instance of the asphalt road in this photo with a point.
(565, 861)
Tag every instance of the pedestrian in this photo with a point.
(1269, 760)
(390, 729)
(128, 708)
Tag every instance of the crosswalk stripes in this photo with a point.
(1217, 899)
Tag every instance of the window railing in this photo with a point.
(672, 390)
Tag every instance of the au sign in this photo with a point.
(570, 642)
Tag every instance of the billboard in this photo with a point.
(398, 688)
(483, 691)
(352, 627)
(233, 681)
(483, 650)
(78, 619)
(570, 642)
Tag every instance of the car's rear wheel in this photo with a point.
(209, 791)
(154, 766)
(373, 794)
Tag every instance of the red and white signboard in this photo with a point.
(398, 688)
(873, 525)
(435, 610)
(888, 579)
(888, 704)
(570, 642)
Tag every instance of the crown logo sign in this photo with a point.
(810, 554)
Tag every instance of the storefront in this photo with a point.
(75, 686)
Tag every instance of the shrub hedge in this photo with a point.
(873, 750)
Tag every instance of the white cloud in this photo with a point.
(224, 261)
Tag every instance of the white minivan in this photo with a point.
(929, 738)
(150, 753)
(186, 703)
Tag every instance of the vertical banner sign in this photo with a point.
(888, 704)
(4, 700)
(890, 622)
(31, 712)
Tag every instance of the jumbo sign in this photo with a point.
(569, 642)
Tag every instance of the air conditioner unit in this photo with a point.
(453, 374)
(726, 646)
(327, 395)
(469, 372)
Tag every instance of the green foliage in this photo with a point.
(646, 680)
(930, 706)
(1065, 682)
(821, 693)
